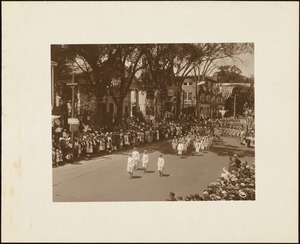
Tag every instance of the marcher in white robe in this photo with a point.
(130, 166)
(180, 148)
(205, 143)
(197, 147)
(185, 147)
(160, 165)
(174, 144)
(136, 158)
(145, 160)
(202, 144)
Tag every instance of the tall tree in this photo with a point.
(158, 74)
(128, 62)
(96, 62)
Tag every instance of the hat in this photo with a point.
(172, 194)
(242, 194)
(235, 156)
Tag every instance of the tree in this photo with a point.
(244, 94)
(103, 64)
(128, 62)
(158, 72)
(244, 100)
(230, 74)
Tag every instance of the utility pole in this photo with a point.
(234, 105)
(72, 85)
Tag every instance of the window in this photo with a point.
(188, 96)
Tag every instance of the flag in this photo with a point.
(201, 83)
(227, 91)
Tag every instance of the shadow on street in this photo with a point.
(222, 149)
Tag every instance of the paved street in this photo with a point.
(106, 179)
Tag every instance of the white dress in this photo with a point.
(130, 164)
(160, 164)
(180, 148)
(136, 157)
(197, 146)
(145, 160)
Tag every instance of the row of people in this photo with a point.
(134, 159)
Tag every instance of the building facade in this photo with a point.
(201, 98)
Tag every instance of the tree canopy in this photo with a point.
(113, 67)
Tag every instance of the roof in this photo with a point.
(208, 78)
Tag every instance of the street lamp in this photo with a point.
(72, 85)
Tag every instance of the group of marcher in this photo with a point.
(199, 143)
(236, 183)
(133, 162)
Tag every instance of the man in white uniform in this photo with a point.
(130, 166)
(160, 165)
(136, 158)
(145, 161)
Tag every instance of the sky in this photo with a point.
(246, 64)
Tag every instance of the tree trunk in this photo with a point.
(178, 103)
(119, 105)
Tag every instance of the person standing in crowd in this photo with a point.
(236, 161)
(160, 165)
(130, 165)
(145, 160)
(57, 157)
(136, 157)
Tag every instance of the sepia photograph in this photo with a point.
(153, 122)
(150, 121)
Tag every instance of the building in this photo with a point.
(208, 100)
(86, 101)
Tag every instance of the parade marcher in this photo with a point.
(197, 147)
(160, 165)
(130, 166)
(180, 148)
(136, 157)
(202, 145)
(145, 160)
(174, 143)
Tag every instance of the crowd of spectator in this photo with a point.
(92, 140)
(236, 183)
